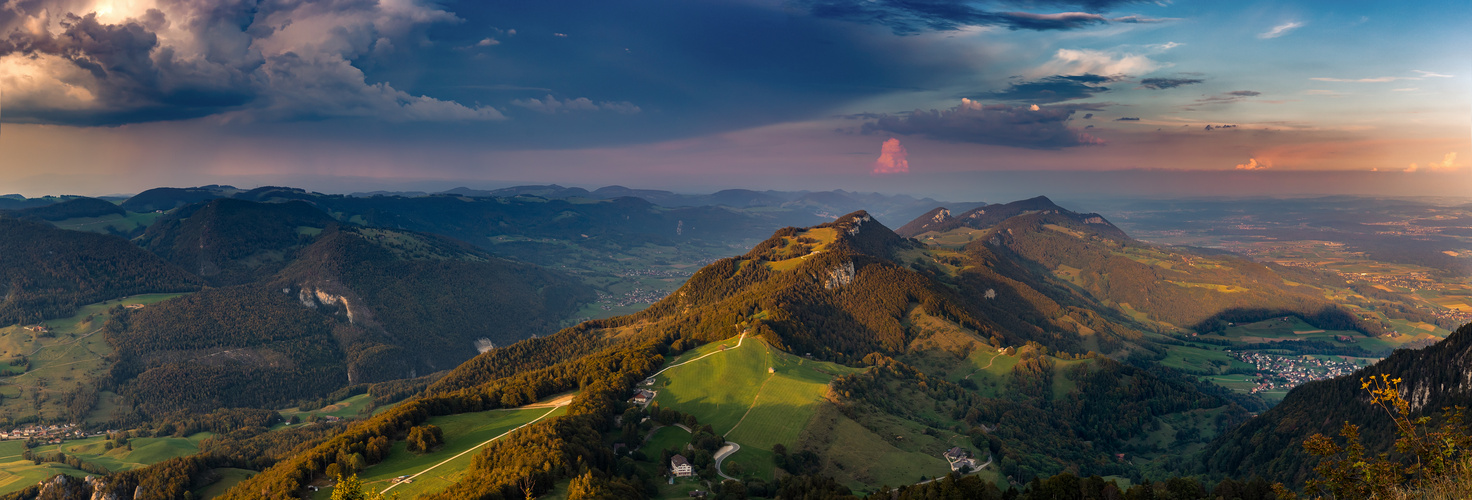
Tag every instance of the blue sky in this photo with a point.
(120, 95)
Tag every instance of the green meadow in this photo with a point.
(463, 432)
(57, 362)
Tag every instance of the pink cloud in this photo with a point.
(1254, 164)
(892, 158)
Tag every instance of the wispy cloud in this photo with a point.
(1280, 30)
(1384, 79)
(906, 17)
(1378, 79)
(1097, 62)
(1167, 83)
(1032, 127)
(552, 105)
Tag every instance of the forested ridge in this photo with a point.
(47, 272)
(231, 242)
(356, 306)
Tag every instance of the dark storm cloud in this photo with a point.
(1127, 119)
(1085, 5)
(129, 84)
(1053, 89)
(200, 58)
(1167, 83)
(906, 17)
(1031, 127)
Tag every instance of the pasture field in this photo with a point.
(719, 389)
(17, 473)
(955, 238)
(228, 479)
(734, 393)
(58, 361)
(110, 224)
(352, 407)
(665, 438)
(465, 431)
(146, 451)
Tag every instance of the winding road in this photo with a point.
(724, 452)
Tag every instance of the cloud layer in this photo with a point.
(907, 17)
(285, 60)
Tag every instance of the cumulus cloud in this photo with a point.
(1167, 83)
(1096, 62)
(1447, 163)
(905, 17)
(893, 159)
(551, 105)
(1032, 127)
(286, 60)
(1053, 89)
(1254, 164)
(1280, 30)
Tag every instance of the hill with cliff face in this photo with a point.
(829, 339)
(358, 305)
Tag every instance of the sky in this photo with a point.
(947, 98)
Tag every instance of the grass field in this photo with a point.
(69, 355)
(348, 408)
(465, 431)
(109, 224)
(228, 479)
(735, 394)
(17, 473)
(664, 438)
(146, 451)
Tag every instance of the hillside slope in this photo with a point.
(358, 305)
(230, 242)
(1271, 445)
(47, 272)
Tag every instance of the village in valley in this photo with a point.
(1287, 372)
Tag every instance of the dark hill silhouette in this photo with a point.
(47, 272)
(70, 209)
(230, 242)
(168, 198)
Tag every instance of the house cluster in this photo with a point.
(39, 329)
(642, 397)
(49, 434)
(681, 467)
(1287, 372)
(960, 458)
(633, 297)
